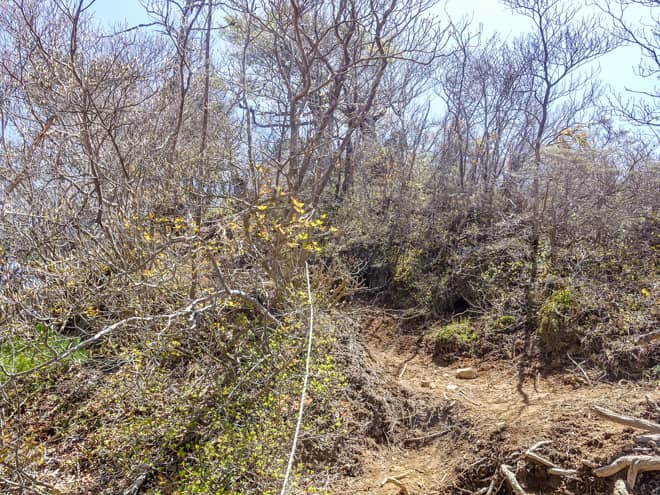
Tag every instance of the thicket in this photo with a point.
(164, 186)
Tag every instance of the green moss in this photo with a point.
(458, 336)
(556, 317)
(505, 321)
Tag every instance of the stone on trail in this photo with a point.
(466, 373)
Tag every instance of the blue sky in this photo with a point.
(616, 67)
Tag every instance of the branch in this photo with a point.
(244, 295)
(190, 309)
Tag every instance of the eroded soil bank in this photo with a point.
(432, 433)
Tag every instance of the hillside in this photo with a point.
(249, 247)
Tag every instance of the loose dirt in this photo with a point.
(492, 419)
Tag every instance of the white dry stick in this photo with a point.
(305, 381)
(579, 366)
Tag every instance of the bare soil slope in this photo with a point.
(493, 419)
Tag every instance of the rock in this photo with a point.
(466, 373)
(452, 387)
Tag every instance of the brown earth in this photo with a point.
(488, 421)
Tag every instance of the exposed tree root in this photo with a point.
(620, 488)
(642, 424)
(395, 481)
(511, 480)
(635, 463)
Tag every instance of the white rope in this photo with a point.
(304, 388)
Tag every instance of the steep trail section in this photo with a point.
(497, 415)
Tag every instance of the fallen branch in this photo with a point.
(511, 480)
(191, 310)
(635, 463)
(642, 424)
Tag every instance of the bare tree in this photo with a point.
(643, 109)
(563, 42)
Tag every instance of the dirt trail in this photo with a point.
(498, 413)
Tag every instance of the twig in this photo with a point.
(460, 391)
(305, 382)
(244, 295)
(491, 487)
(642, 424)
(511, 480)
(552, 467)
(538, 445)
(578, 366)
(427, 437)
(403, 370)
(188, 310)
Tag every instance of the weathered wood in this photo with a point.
(511, 480)
(642, 424)
(648, 439)
(620, 488)
(635, 463)
(532, 456)
(397, 483)
(556, 471)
